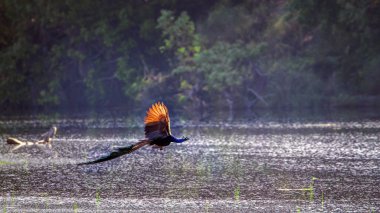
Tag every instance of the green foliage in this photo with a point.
(132, 82)
(179, 34)
(5, 163)
(75, 207)
(347, 39)
(298, 209)
(97, 198)
(220, 65)
(223, 67)
(237, 193)
(281, 53)
(64, 51)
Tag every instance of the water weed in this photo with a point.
(237, 193)
(309, 190)
(75, 207)
(97, 198)
(298, 209)
(3, 163)
(322, 199)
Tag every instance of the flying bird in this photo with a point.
(157, 133)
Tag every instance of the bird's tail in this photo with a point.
(119, 151)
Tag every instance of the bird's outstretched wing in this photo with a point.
(119, 151)
(157, 122)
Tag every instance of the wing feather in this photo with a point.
(157, 121)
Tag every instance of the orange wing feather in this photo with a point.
(157, 121)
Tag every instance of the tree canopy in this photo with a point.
(197, 54)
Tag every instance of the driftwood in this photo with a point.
(16, 141)
(46, 138)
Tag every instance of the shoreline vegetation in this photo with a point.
(196, 55)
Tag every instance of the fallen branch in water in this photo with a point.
(16, 141)
(46, 138)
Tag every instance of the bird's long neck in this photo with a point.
(177, 140)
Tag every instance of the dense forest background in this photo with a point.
(194, 54)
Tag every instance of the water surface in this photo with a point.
(319, 163)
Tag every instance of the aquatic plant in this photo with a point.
(298, 209)
(5, 163)
(207, 205)
(97, 198)
(75, 207)
(237, 193)
(322, 199)
(12, 199)
(309, 189)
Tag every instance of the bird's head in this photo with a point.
(180, 140)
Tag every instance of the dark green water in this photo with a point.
(263, 162)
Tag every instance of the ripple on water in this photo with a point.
(239, 166)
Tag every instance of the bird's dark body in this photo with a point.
(162, 141)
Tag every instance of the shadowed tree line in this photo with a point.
(195, 54)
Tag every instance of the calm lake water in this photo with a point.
(254, 162)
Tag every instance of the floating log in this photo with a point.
(46, 138)
(14, 141)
